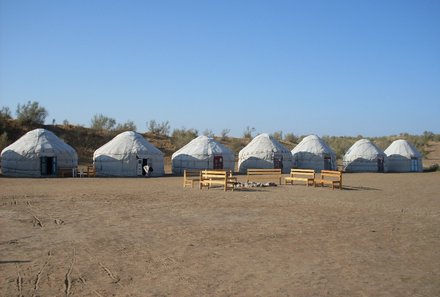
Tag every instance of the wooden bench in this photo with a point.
(190, 176)
(91, 171)
(330, 177)
(302, 175)
(266, 174)
(224, 178)
(66, 172)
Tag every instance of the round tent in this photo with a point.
(403, 157)
(126, 155)
(202, 153)
(365, 156)
(313, 153)
(264, 152)
(38, 153)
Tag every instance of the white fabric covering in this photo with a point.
(120, 156)
(313, 153)
(364, 156)
(199, 154)
(23, 157)
(403, 157)
(261, 152)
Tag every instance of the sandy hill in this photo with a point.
(86, 141)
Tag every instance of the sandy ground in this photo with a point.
(151, 237)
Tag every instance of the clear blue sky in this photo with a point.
(323, 67)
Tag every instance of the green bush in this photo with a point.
(182, 136)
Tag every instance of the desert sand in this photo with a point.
(151, 237)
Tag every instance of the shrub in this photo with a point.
(248, 131)
(278, 135)
(5, 113)
(102, 123)
(208, 133)
(290, 137)
(127, 126)
(224, 134)
(432, 168)
(182, 136)
(4, 142)
(158, 128)
(31, 113)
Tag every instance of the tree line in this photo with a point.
(31, 113)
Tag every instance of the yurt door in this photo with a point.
(327, 163)
(139, 167)
(48, 165)
(414, 165)
(380, 165)
(218, 162)
(144, 163)
(278, 161)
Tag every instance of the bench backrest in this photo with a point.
(331, 174)
(214, 174)
(91, 170)
(191, 173)
(305, 172)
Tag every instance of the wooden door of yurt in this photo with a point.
(278, 161)
(414, 164)
(218, 162)
(48, 166)
(327, 163)
(380, 164)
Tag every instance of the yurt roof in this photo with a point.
(403, 148)
(203, 146)
(127, 143)
(313, 144)
(264, 143)
(364, 148)
(40, 142)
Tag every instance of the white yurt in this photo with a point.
(38, 153)
(202, 153)
(313, 153)
(403, 157)
(126, 155)
(264, 152)
(365, 156)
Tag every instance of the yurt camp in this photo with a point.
(403, 157)
(127, 154)
(313, 153)
(365, 156)
(264, 152)
(38, 153)
(202, 153)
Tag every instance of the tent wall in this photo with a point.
(364, 165)
(119, 156)
(305, 160)
(127, 166)
(263, 160)
(404, 157)
(398, 163)
(22, 158)
(199, 154)
(182, 162)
